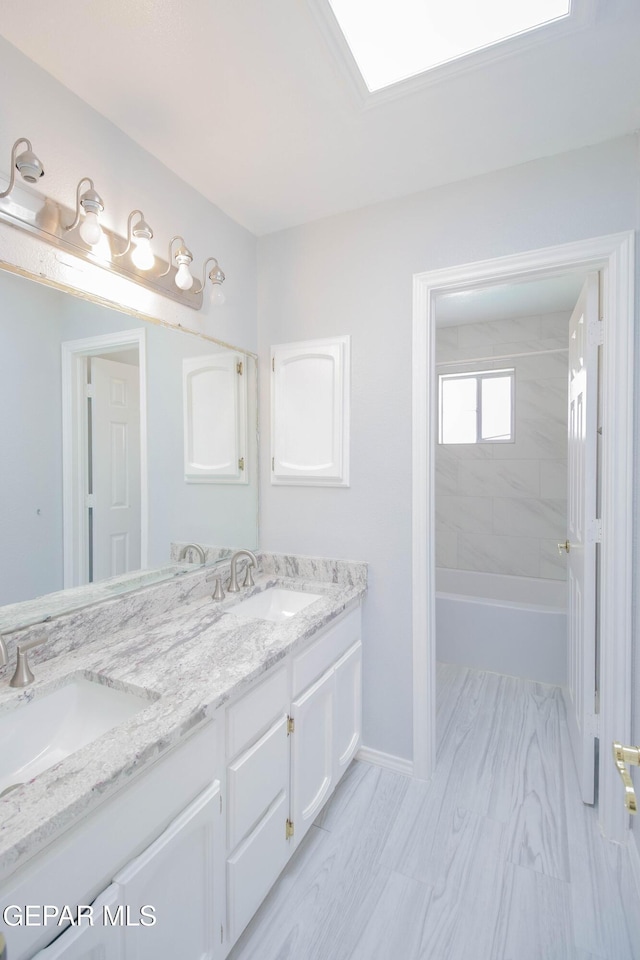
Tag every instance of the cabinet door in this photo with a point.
(310, 412)
(91, 942)
(312, 776)
(175, 876)
(348, 712)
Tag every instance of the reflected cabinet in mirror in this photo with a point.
(119, 438)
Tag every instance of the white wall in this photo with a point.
(502, 507)
(74, 141)
(353, 274)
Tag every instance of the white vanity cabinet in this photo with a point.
(257, 796)
(163, 903)
(289, 740)
(158, 838)
(326, 714)
(312, 773)
(91, 941)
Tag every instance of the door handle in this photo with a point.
(564, 547)
(622, 756)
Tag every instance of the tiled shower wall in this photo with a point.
(502, 507)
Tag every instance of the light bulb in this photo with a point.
(90, 229)
(184, 280)
(217, 296)
(142, 254)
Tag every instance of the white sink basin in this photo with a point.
(44, 731)
(275, 604)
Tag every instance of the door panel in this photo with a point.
(97, 942)
(348, 715)
(582, 506)
(312, 776)
(115, 446)
(175, 875)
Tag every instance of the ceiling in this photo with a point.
(509, 300)
(248, 102)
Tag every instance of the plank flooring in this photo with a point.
(496, 858)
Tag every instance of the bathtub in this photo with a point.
(511, 625)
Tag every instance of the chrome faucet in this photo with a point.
(193, 546)
(4, 656)
(248, 580)
(23, 675)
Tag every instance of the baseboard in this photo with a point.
(380, 759)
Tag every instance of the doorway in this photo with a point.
(104, 456)
(613, 257)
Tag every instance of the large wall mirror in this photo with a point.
(119, 437)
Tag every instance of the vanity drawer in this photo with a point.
(323, 652)
(255, 780)
(257, 710)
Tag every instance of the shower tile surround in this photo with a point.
(502, 507)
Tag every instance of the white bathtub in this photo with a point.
(511, 625)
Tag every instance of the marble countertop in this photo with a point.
(187, 662)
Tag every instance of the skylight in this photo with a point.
(392, 40)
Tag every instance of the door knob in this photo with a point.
(564, 547)
(622, 756)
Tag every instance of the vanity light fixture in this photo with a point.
(91, 203)
(26, 163)
(139, 238)
(81, 234)
(216, 276)
(183, 257)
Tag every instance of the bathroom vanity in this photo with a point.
(175, 823)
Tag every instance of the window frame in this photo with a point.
(479, 376)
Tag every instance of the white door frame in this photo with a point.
(614, 255)
(74, 523)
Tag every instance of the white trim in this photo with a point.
(387, 760)
(581, 15)
(73, 523)
(614, 255)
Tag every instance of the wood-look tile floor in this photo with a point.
(496, 858)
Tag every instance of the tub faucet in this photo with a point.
(192, 546)
(233, 580)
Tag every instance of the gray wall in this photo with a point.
(30, 440)
(353, 274)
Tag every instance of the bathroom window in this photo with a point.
(477, 407)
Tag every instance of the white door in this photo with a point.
(175, 876)
(98, 941)
(312, 752)
(582, 507)
(115, 459)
